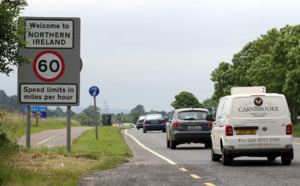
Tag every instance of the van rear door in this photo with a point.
(260, 121)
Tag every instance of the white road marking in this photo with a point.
(153, 152)
(49, 138)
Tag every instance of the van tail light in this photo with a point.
(289, 129)
(162, 121)
(146, 122)
(176, 124)
(229, 130)
(209, 124)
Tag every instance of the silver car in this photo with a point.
(189, 125)
(139, 122)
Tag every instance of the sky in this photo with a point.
(147, 51)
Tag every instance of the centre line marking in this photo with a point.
(209, 184)
(195, 176)
(183, 169)
(153, 152)
(49, 138)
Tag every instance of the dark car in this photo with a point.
(154, 122)
(189, 125)
(139, 122)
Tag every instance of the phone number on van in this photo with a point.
(259, 140)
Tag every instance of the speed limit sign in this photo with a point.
(48, 66)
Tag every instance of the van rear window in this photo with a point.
(264, 106)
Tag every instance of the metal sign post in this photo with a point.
(28, 126)
(94, 91)
(69, 128)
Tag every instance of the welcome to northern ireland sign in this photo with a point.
(53, 76)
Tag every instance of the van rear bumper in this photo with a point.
(288, 151)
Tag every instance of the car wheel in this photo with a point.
(286, 160)
(172, 144)
(164, 131)
(214, 157)
(144, 130)
(138, 128)
(271, 158)
(226, 160)
(168, 142)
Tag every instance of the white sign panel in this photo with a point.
(49, 33)
(48, 93)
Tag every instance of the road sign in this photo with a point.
(53, 77)
(37, 108)
(94, 91)
(48, 66)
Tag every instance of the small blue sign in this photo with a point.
(37, 108)
(94, 91)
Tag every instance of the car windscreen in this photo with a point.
(192, 115)
(259, 107)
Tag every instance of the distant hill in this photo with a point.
(80, 109)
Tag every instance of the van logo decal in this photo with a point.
(258, 101)
(264, 128)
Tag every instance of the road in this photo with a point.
(155, 164)
(54, 137)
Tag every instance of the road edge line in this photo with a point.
(153, 152)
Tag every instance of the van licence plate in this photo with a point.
(242, 132)
(194, 127)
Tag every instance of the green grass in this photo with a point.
(296, 130)
(15, 125)
(57, 166)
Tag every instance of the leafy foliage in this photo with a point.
(186, 100)
(11, 35)
(139, 109)
(272, 61)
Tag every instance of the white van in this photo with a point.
(254, 124)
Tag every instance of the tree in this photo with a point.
(210, 105)
(82, 118)
(11, 35)
(135, 116)
(186, 100)
(222, 81)
(4, 100)
(271, 61)
(139, 109)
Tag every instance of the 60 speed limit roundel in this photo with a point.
(48, 66)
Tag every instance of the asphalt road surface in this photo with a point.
(154, 164)
(54, 137)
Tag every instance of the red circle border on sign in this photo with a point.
(62, 66)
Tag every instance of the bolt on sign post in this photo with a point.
(53, 76)
(94, 91)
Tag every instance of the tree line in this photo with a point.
(272, 60)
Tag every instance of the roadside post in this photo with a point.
(94, 91)
(53, 76)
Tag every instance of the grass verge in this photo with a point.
(15, 125)
(56, 166)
